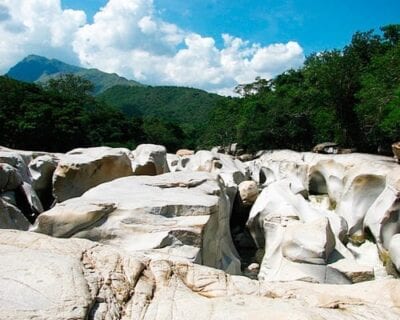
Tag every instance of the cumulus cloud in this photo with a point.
(129, 37)
(37, 26)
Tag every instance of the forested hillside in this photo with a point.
(350, 96)
(64, 115)
(188, 108)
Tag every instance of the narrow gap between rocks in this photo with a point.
(241, 237)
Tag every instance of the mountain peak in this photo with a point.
(32, 67)
(38, 69)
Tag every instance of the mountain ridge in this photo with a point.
(39, 69)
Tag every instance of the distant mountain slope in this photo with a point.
(33, 67)
(40, 69)
(177, 104)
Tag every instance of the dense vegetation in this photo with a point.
(349, 96)
(63, 115)
(186, 107)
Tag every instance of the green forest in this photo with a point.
(349, 96)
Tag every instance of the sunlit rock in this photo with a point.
(82, 169)
(149, 160)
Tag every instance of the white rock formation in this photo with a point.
(231, 170)
(182, 215)
(16, 190)
(41, 169)
(309, 242)
(394, 251)
(82, 169)
(47, 278)
(330, 219)
(149, 160)
(357, 193)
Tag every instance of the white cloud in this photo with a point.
(128, 37)
(37, 26)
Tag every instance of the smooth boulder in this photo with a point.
(82, 169)
(150, 160)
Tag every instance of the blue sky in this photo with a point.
(209, 44)
(317, 25)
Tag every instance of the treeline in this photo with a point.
(349, 96)
(63, 115)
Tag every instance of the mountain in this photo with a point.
(186, 107)
(40, 69)
(179, 105)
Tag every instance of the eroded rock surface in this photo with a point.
(181, 214)
(82, 169)
(359, 194)
(48, 278)
(150, 160)
(321, 237)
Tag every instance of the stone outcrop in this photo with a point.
(358, 194)
(36, 273)
(19, 202)
(151, 235)
(82, 169)
(11, 217)
(42, 169)
(150, 160)
(176, 215)
(248, 191)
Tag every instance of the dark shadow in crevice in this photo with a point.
(241, 236)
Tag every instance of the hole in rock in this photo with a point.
(318, 192)
(241, 237)
(317, 184)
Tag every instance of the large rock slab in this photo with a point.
(182, 215)
(82, 169)
(309, 242)
(48, 278)
(394, 251)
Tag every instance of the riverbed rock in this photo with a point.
(309, 242)
(149, 160)
(248, 191)
(174, 214)
(10, 178)
(11, 217)
(394, 251)
(41, 169)
(95, 281)
(82, 169)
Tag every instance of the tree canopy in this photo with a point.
(349, 96)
